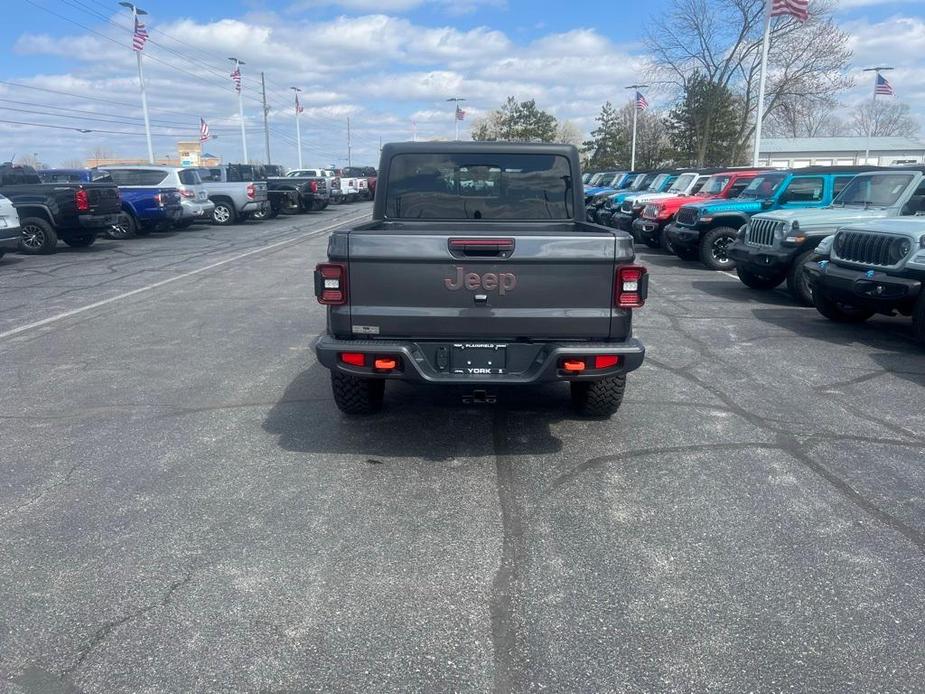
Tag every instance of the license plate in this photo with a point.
(202, 195)
(478, 359)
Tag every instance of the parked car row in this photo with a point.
(40, 207)
(848, 240)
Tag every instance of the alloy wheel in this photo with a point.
(33, 237)
(221, 214)
(721, 249)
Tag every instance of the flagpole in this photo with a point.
(141, 81)
(456, 100)
(298, 127)
(237, 64)
(414, 131)
(762, 81)
(635, 88)
(873, 109)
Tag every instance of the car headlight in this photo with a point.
(899, 249)
(825, 246)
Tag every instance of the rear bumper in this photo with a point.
(683, 237)
(762, 260)
(254, 205)
(419, 361)
(197, 210)
(97, 221)
(876, 290)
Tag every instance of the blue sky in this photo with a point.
(383, 63)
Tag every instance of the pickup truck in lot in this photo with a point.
(144, 208)
(332, 182)
(309, 193)
(72, 212)
(708, 229)
(775, 246)
(478, 270)
(363, 173)
(236, 198)
(651, 226)
(9, 226)
(875, 266)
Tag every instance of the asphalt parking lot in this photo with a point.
(182, 508)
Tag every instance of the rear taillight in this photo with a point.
(82, 200)
(353, 358)
(631, 287)
(251, 191)
(314, 186)
(187, 193)
(160, 199)
(331, 284)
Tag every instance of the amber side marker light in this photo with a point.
(385, 364)
(573, 365)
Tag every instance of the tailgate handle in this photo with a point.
(484, 248)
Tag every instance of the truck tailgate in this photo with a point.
(512, 285)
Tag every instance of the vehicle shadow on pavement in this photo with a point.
(429, 422)
(880, 332)
(736, 291)
(651, 257)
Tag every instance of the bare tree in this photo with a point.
(884, 119)
(721, 41)
(30, 160)
(72, 164)
(802, 118)
(569, 133)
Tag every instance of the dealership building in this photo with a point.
(796, 152)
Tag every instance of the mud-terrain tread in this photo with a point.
(354, 395)
(599, 398)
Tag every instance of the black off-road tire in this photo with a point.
(224, 213)
(664, 240)
(598, 398)
(756, 281)
(713, 248)
(798, 282)
(125, 228)
(38, 236)
(652, 242)
(685, 253)
(354, 395)
(81, 241)
(918, 320)
(838, 312)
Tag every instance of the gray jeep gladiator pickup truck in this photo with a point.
(478, 270)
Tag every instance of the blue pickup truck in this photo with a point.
(145, 208)
(707, 229)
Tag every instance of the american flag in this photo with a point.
(641, 103)
(203, 130)
(298, 104)
(883, 86)
(460, 114)
(795, 8)
(140, 36)
(236, 78)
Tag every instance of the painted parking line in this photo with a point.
(155, 285)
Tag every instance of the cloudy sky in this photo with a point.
(382, 63)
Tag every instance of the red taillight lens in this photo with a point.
(160, 199)
(606, 361)
(251, 191)
(82, 200)
(314, 186)
(353, 358)
(331, 284)
(187, 193)
(631, 287)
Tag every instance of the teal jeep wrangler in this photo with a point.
(873, 267)
(776, 245)
(707, 230)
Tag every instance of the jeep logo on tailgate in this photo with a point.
(502, 282)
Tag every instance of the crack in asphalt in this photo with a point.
(45, 490)
(103, 632)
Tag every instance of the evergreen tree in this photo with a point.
(517, 122)
(608, 141)
(704, 125)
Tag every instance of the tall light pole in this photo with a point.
(237, 70)
(635, 88)
(873, 110)
(266, 112)
(298, 128)
(137, 12)
(456, 100)
(349, 163)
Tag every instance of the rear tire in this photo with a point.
(38, 236)
(714, 247)
(685, 253)
(224, 214)
(652, 243)
(598, 398)
(125, 228)
(354, 395)
(797, 280)
(81, 241)
(838, 312)
(756, 281)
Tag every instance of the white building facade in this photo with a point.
(798, 152)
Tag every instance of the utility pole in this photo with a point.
(414, 131)
(456, 100)
(266, 111)
(236, 76)
(348, 142)
(873, 110)
(298, 127)
(139, 37)
(635, 88)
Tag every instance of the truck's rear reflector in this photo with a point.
(353, 358)
(606, 361)
(331, 284)
(631, 287)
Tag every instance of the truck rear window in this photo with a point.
(480, 186)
